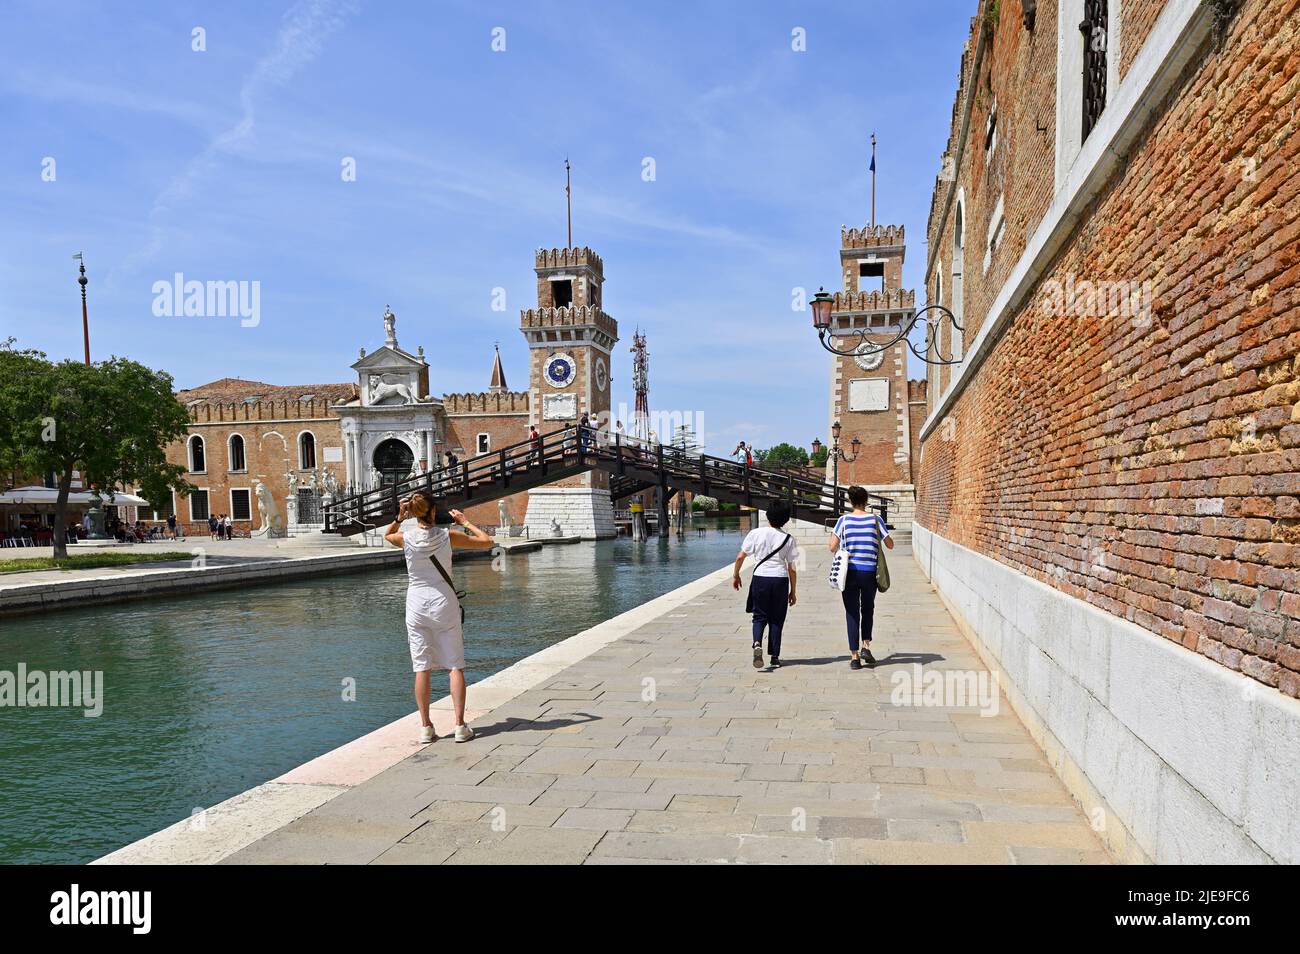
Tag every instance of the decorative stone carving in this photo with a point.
(383, 387)
(869, 356)
(559, 407)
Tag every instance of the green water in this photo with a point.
(211, 694)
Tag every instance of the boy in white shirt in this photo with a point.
(772, 589)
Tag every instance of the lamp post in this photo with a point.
(85, 320)
(823, 304)
(837, 454)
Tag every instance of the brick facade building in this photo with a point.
(301, 441)
(871, 396)
(1108, 482)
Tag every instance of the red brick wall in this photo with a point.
(503, 430)
(1152, 467)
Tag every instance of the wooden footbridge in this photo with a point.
(633, 466)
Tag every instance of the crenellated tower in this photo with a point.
(869, 392)
(571, 341)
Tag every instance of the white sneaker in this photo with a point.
(464, 733)
(426, 734)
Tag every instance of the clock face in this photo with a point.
(602, 374)
(559, 370)
(869, 356)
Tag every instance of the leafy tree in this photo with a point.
(112, 421)
(820, 458)
(782, 456)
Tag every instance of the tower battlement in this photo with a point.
(581, 256)
(878, 236)
(892, 299)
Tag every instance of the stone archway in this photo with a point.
(394, 460)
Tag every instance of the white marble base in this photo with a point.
(581, 512)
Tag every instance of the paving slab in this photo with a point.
(812, 763)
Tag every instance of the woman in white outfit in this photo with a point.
(432, 608)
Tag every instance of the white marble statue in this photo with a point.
(503, 514)
(272, 521)
(292, 478)
(331, 483)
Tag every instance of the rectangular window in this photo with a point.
(198, 505)
(240, 505)
(562, 293)
(484, 443)
(991, 132)
(868, 271)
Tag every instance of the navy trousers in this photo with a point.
(771, 603)
(859, 605)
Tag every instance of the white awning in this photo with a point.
(48, 496)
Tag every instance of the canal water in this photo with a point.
(211, 694)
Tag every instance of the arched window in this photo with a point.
(198, 460)
(307, 451)
(236, 453)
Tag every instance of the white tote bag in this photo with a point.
(839, 569)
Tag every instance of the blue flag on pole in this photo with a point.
(873, 164)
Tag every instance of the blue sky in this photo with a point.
(226, 165)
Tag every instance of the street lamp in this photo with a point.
(823, 304)
(837, 454)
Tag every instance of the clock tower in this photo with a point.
(870, 394)
(570, 344)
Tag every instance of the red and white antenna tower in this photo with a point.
(641, 386)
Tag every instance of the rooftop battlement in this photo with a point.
(486, 402)
(569, 316)
(569, 258)
(859, 302)
(878, 236)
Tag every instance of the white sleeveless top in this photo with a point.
(419, 544)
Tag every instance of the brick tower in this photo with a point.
(869, 392)
(570, 341)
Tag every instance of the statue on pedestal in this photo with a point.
(272, 521)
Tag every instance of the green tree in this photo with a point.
(820, 458)
(782, 456)
(112, 421)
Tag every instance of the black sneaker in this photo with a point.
(758, 656)
(775, 662)
(868, 659)
(855, 663)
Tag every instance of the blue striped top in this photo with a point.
(857, 533)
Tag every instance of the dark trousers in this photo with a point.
(859, 605)
(771, 603)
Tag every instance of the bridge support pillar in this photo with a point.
(585, 512)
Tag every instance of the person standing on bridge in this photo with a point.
(433, 612)
(860, 533)
(772, 589)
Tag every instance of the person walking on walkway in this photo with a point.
(772, 589)
(860, 533)
(433, 612)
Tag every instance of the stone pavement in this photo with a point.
(668, 746)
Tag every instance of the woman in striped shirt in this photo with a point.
(857, 532)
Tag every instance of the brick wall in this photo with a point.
(502, 430)
(1147, 464)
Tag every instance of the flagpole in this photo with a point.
(873, 181)
(568, 201)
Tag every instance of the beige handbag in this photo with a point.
(882, 568)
